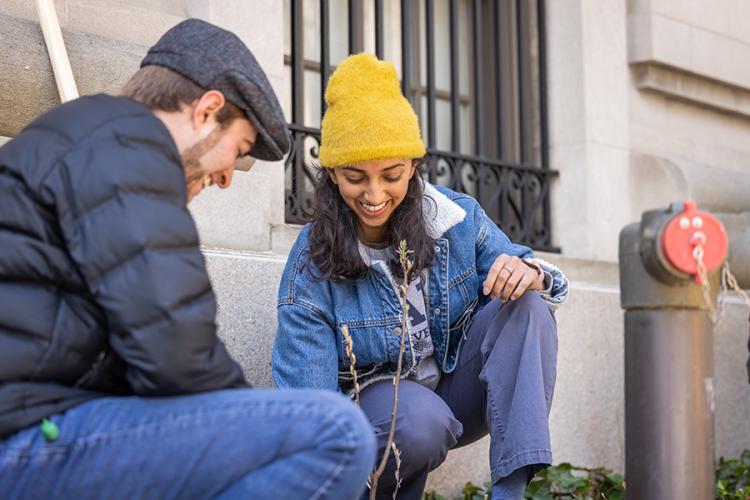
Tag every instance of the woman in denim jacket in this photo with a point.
(481, 344)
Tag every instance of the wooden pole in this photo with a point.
(66, 84)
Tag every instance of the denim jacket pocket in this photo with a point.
(464, 284)
(370, 341)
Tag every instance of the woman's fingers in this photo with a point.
(509, 278)
(511, 282)
(503, 270)
(517, 274)
(523, 285)
(494, 273)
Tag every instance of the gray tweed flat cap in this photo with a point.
(216, 59)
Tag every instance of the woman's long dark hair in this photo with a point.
(334, 233)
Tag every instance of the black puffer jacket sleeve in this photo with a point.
(120, 200)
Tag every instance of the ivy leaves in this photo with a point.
(578, 483)
(568, 482)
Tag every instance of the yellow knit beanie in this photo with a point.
(367, 117)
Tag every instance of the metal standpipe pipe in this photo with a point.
(669, 369)
(738, 229)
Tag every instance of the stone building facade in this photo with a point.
(648, 102)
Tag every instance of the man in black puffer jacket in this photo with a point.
(107, 317)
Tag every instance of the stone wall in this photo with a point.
(243, 220)
(690, 95)
(649, 104)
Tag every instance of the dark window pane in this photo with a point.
(474, 73)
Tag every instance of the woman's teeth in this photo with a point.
(373, 208)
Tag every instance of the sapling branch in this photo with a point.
(352, 360)
(397, 456)
(406, 267)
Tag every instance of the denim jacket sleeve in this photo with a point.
(304, 350)
(491, 242)
(304, 338)
(557, 290)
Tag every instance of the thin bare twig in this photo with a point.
(349, 343)
(397, 456)
(406, 266)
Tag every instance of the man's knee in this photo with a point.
(359, 432)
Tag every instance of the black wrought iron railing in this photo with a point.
(496, 149)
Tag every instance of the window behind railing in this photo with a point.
(474, 72)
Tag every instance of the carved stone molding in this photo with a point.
(695, 89)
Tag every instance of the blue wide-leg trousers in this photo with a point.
(502, 385)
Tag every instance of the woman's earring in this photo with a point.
(206, 181)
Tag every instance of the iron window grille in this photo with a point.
(478, 87)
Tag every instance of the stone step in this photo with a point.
(99, 64)
(587, 416)
(141, 22)
(106, 39)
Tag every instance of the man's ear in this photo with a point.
(207, 107)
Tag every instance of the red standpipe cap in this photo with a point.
(688, 229)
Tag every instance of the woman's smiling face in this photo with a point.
(373, 189)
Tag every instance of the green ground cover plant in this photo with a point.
(732, 478)
(566, 481)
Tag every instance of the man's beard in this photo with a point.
(191, 157)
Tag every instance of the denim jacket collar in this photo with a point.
(440, 213)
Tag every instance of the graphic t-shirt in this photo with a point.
(425, 370)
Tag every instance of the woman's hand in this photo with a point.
(510, 277)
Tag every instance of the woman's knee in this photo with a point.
(425, 427)
(424, 438)
(516, 325)
(531, 309)
(530, 302)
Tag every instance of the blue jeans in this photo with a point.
(502, 386)
(242, 443)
